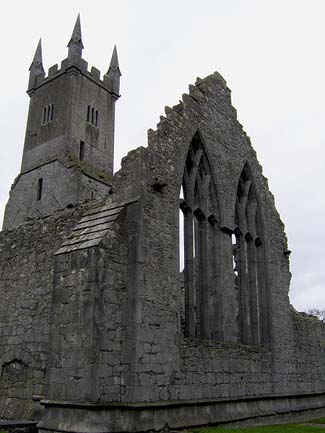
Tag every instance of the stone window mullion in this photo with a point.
(203, 278)
(189, 274)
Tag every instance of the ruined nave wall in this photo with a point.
(26, 277)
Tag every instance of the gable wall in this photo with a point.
(167, 365)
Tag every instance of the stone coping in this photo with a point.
(17, 423)
(174, 403)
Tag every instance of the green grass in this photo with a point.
(284, 428)
(318, 421)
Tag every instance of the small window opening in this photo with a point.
(234, 255)
(82, 151)
(44, 115)
(48, 114)
(39, 189)
(92, 116)
(52, 112)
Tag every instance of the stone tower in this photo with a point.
(69, 143)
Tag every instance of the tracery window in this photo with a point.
(200, 208)
(249, 264)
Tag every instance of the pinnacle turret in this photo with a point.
(75, 44)
(114, 65)
(114, 72)
(36, 68)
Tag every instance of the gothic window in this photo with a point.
(249, 265)
(48, 114)
(92, 116)
(199, 207)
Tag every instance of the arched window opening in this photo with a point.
(249, 265)
(48, 114)
(198, 203)
(92, 116)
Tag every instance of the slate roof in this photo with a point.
(93, 227)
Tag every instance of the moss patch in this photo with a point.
(283, 428)
(91, 171)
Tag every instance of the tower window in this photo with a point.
(44, 115)
(92, 116)
(82, 151)
(48, 114)
(52, 112)
(39, 189)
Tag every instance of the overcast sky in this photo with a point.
(270, 52)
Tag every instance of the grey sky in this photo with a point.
(270, 53)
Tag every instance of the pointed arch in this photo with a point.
(200, 209)
(250, 265)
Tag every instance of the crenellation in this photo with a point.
(53, 70)
(95, 73)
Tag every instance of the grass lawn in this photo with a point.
(318, 421)
(283, 428)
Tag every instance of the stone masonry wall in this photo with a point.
(112, 323)
(86, 326)
(26, 278)
(167, 366)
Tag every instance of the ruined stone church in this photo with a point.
(100, 329)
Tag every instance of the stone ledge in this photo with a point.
(73, 417)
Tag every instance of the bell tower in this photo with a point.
(69, 144)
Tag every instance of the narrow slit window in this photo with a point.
(92, 116)
(82, 151)
(39, 189)
(44, 115)
(48, 114)
(52, 112)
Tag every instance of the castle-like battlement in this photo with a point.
(74, 62)
(71, 118)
